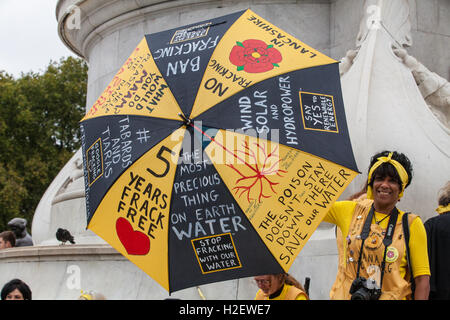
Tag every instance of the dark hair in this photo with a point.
(9, 236)
(19, 285)
(444, 195)
(387, 169)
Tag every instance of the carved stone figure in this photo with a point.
(19, 227)
(434, 88)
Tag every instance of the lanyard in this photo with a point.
(386, 241)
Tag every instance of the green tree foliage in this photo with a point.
(39, 132)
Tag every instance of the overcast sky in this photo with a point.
(28, 36)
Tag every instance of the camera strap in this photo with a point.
(408, 252)
(387, 241)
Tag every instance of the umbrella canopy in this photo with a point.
(216, 151)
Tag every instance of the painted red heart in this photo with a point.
(135, 242)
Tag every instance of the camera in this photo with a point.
(364, 289)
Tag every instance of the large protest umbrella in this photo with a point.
(215, 151)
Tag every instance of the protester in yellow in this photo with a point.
(374, 258)
(438, 236)
(279, 287)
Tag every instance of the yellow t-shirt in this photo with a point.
(281, 296)
(341, 214)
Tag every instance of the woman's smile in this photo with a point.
(386, 193)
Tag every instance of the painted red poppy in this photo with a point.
(254, 56)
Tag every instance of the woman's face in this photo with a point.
(269, 284)
(14, 295)
(385, 191)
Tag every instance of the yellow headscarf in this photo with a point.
(400, 170)
(442, 209)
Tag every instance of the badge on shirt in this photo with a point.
(391, 254)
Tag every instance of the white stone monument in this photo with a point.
(392, 101)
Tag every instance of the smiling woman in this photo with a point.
(389, 174)
(375, 264)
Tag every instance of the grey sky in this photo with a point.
(28, 36)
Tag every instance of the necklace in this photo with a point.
(378, 222)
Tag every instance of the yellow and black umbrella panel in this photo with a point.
(215, 151)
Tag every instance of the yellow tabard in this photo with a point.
(394, 286)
